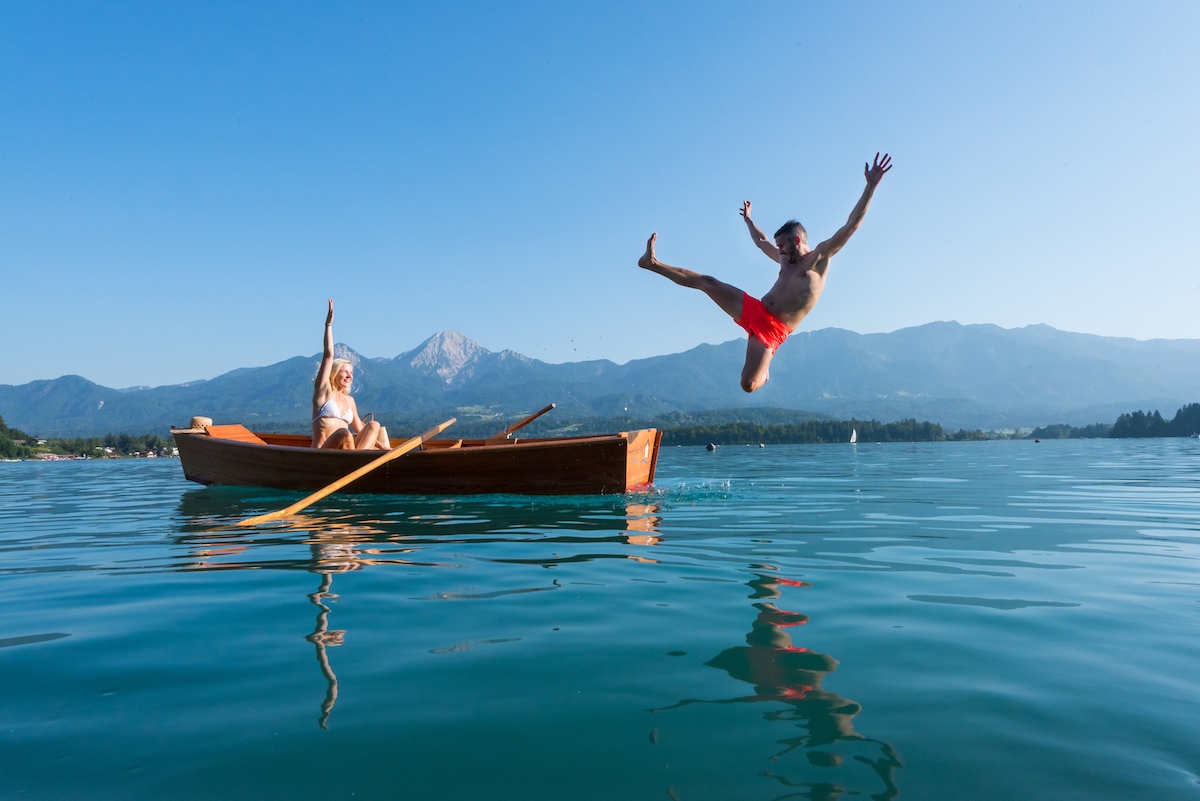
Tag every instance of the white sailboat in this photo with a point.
(853, 435)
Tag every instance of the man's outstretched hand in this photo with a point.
(745, 210)
(875, 173)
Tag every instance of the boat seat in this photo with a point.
(237, 433)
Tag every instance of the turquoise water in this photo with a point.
(956, 620)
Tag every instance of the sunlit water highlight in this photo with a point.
(956, 620)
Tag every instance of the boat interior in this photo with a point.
(240, 433)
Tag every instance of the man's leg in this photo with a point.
(758, 365)
(728, 297)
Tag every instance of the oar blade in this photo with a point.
(254, 521)
(520, 424)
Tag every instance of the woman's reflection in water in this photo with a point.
(340, 546)
(322, 637)
(327, 559)
(339, 556)
(790, 675)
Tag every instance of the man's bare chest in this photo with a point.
(798, 279)
(795, 292)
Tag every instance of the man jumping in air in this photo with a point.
(801, 278)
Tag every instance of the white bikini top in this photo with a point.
(330, 410)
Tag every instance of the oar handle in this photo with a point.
(521, 423)
(394, 453)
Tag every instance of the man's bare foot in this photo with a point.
(647, 261)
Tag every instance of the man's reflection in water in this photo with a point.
(790, 675)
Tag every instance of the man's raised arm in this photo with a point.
(873, 174)
(760, 239)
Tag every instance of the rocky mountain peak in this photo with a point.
(343, 351)
(445, 353)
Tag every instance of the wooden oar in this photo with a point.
(521, 424)
(394, 453)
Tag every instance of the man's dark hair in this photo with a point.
(792, 228)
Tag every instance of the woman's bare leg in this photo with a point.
(728, 297)
(368, 438)
(340, 439)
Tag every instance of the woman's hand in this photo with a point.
(329, 317)
(874, 174)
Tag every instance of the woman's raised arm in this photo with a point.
(321, 385)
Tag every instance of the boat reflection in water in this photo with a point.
(784, 673)
(341, 543)
(642, 523)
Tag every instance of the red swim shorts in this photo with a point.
(760, 323)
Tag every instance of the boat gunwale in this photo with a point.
(547, 442)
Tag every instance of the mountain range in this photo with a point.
(961, 376)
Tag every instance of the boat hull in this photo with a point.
(562, 466)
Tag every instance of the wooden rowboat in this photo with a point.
(600, 465)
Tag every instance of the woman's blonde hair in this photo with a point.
(333, 371)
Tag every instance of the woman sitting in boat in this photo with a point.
(336, 423)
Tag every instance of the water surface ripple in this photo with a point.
(985, 620)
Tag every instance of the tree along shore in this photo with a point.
(16, 444)
(1142, 424)
(1135, 424)
(1064, 431)
(814, 431)
(801, 430)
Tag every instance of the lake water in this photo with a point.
(991, 620)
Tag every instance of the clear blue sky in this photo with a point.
(182, 185)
